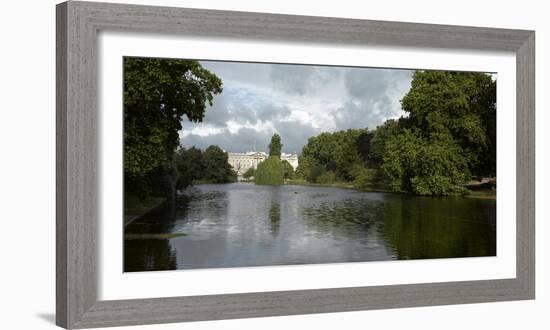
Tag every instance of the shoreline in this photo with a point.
(481, 194)
(478, 194)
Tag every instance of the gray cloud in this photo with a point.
(296, 101)
(297, 79)
(294, 135)
(240, 106)
(374, 96)
(241, 141)
(292, 79)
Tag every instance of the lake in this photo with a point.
(242, 224)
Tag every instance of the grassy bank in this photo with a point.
(197, 182)
(153, 236)
(336, 184)
(483, 194)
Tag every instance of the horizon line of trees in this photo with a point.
(208, 166)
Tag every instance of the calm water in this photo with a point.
(241, 224)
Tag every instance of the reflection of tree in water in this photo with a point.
(275, 218)
(349, 217)
(159, 220)
(153, 254)
(423, 228)
(148, 254)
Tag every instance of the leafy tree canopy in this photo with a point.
(461, 105)
(249, 173)
(216, 166)
(158, 94)
(275, 146)
(448, 135)
(195, 165)
(269, 171)
(336, 152)
(288, 170)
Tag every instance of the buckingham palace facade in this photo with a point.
(241, 162)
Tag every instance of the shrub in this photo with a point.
(425, 167)
(288, 170)
(326, 178)
(362, 176)
(249, 173)
(315, 172)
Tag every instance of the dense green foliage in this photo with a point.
(270, 171)
(216, 167)
(273, 171)
(447, 136)
(249, 173)
(336, 152)
(158, 94)
(458, 105)
(313, 173)
(424, 167)
(275, 146)
(288, 170)
(209, 165)
(326, 177)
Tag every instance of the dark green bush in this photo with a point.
(314, 173)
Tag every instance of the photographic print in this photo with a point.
(236, 164)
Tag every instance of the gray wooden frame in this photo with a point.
(77, 149)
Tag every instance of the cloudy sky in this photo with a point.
(295, 101)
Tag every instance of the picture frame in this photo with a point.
(77, 26)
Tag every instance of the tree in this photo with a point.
(269, 172)
(315, 173)
(288, 170)
(461, 105)
(158, 94)
(424, 167)
(194, 157)
(364, 144)
(189, 165)
(336, 152)
(249, 173)
(447, 136)
(305, 164)
(216, 166)
(183, 168)
(366, 178)
(327, 177)
(377, 144)
(275, 146)
(195, 165)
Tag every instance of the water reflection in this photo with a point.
(235, 225)
(148, 254)
(422, 227)
(275, 218)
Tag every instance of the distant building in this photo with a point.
(241, 162)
